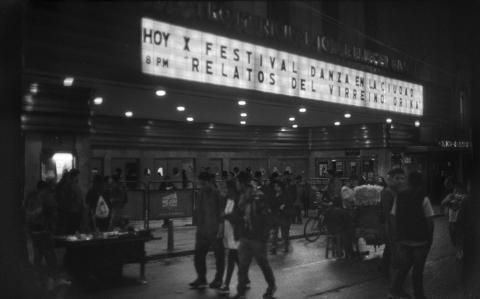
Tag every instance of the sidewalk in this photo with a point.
(184, 236)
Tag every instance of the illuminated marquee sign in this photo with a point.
(181, 53)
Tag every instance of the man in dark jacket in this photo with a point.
(413, 236)
(209, 219)
(254, 230)
(280, 218)
(41, 212)
(395, 181)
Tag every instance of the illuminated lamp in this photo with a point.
(160, 92)
(68, 81)
(98, 101)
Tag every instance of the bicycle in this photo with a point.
(315, 225)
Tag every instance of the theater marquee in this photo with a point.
(181, 53)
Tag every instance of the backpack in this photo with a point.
(102, 210)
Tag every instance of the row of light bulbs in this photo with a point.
(68, 81)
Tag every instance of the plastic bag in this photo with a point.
(102, 211)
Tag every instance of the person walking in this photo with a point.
(255, 226)
(209, 234)
(395, 181)
(280, 216)
(413, 236)
(298, 191)
(452, 202)
(231, 233)
(98, 202)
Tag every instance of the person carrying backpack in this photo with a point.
(99, 205)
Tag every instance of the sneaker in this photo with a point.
(269, 293)
(224, 290)
(216, 284)
(198, 284)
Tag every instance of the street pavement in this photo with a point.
(184, 236)
(302, 273)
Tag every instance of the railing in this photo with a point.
(159, 204)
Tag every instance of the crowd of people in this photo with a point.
(241, 213)
(244, 214)
(62, 209)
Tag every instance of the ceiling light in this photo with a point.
(337, 123)
(294, 126)
(347, 115)
(302, 110)
(283, 129)
(242, 122)
(181, 108)
(190, 118)
(417, 123)
(34, 88)
(389, 120)
(334, 160)
(211, 126)
(291, 118)
(68, 81)
(392, 127)
(160, 92)
(98, 101)
(243, 114)
(242, 103)
(128, 113)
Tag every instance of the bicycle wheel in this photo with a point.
(311, 230)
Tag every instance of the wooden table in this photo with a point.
(105, 256)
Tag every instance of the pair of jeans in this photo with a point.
(44, 247)
(202, 244)
(247, 250)
(232, 259)
(407, 257)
